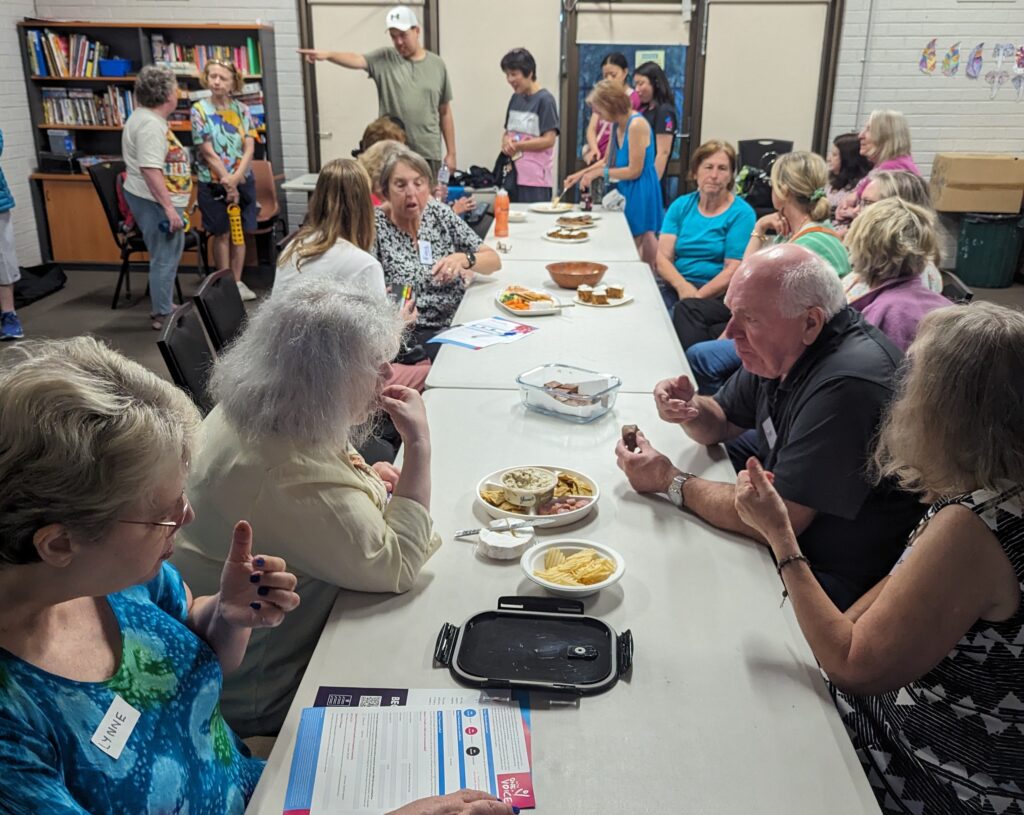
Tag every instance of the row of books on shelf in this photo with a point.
(52, 54)
(82, 106)
(192, 59)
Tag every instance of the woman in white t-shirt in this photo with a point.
(338, 231)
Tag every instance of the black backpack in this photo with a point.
(754, 184)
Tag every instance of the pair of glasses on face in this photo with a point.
(170, 526)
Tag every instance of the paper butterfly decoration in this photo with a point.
(1018, 84)
(996, 80)
(1001, 51)
(951, 62)
(927, 63)
(1018, 67)
(975, 61)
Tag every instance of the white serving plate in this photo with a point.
(533, 560)
(541, 310)
(564, 519)
(516, 216)
(612, 302)
(574, 226)
(582, 239)
(546, 208)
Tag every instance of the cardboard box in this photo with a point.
(977, 182)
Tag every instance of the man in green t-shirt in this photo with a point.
(412, 84)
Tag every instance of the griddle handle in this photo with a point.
(625, 652)
(445, 645)
(549, 605)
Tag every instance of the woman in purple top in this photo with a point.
(885, 139)
(890, 244)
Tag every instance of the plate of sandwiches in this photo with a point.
(609, 295)
(566, 235)
(524, 302)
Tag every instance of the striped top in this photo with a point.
(953, 741)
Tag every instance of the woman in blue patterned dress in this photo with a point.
(927, 669)
(631, 162)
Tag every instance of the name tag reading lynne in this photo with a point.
(115, 728)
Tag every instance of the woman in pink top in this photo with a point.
(885, 140)
(616, 67)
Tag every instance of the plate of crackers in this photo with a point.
(607, 296)
(567, 235)
(584, 220)
(572, 498)
(524, 302)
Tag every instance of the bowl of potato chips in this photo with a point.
(573, 567)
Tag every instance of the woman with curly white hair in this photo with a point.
(294, 396)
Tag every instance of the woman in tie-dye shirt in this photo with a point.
(224, 134)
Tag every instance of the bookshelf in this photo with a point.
(64, 68)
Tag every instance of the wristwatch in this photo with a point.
(470, 258)
(675, 489)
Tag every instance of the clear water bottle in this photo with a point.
(441, 190)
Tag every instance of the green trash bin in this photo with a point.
(988, 249)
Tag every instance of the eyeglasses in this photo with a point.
(171, 526)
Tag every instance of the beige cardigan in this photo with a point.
(327, 514)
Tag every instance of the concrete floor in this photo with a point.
(83, 307)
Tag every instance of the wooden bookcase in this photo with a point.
(72, 226)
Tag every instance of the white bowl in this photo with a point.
(533, 560)
(564, 519)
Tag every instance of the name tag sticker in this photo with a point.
(426, 253)
(769, 432)
(115, 728)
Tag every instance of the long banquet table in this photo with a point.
(724, 711)
(610, 240)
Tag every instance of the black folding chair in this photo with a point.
(105, 178)
(187, 354)
(220, 307)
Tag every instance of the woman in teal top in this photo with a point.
(630, 162)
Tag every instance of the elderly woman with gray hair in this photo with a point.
(110, 667)
(294, 396)
(158, 185)
(423, 244)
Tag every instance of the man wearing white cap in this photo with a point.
(412, 84)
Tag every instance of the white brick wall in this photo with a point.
(283, 14)
(944, 113)
(19, 157)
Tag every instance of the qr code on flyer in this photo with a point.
(370, 701)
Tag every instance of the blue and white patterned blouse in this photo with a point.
(181, 757)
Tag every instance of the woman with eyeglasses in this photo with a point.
(110, 668)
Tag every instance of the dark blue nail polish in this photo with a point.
(263, 591)
(256, 606)
(261, 562)
(254, 578)
(515, 810)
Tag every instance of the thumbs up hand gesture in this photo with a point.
(256, 591)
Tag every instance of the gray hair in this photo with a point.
(955, 425)
(409, 159)
(83, 433)
(153, 85)
(807, 282)
(307, 364)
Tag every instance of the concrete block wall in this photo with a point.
(19, 157)
(878, 68)
(283, 14)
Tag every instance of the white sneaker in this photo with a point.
(246, 292)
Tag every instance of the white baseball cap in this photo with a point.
(403, 18)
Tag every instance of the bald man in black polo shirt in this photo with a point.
(815, 381)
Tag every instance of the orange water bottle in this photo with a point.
(501, 205)
(235, 222)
